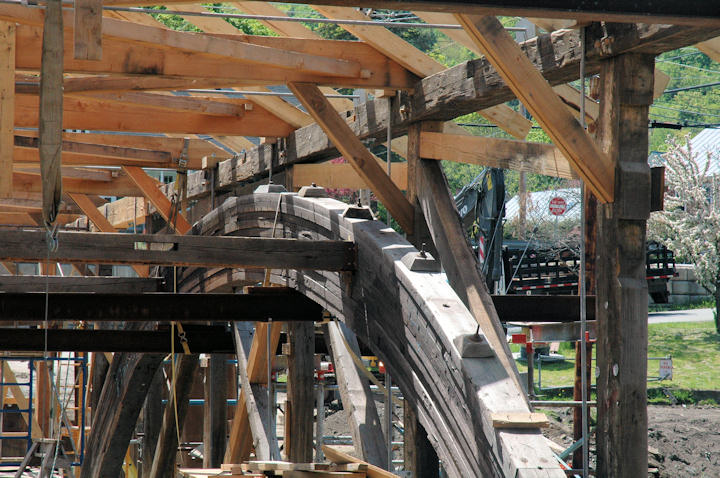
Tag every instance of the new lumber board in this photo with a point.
(7, 105)
(520, 420)
(336, 456)
(158, 249)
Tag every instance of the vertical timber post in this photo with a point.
(621, 310)
(152, 421)
(420, 457)
(301, 378)
(215, 412)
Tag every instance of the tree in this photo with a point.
(690, 224)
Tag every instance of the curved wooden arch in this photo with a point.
(408, 318)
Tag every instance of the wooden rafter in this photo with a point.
(150, 189)
(594, 166)
(355, 152)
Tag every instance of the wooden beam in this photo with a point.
(189, 250)
(336, 456)
(28, 219)
(88, 29)
(208, 105)
(119, 285)
(301, 381)
(356, 396)
(152, 419)
(99, 115)
(102, 224)
(536, 94)
(692, 13)
(457, 258)
(418, 62)
(355, 152)
(340, 175)
(537, 158)
(122, 396)
(260, 418)
(7, 106)
(50, 111)
(175, 411)
(29, 183)
(149, 187)
(419, 456)
(203, 339)
(626, 93)
(286, 305)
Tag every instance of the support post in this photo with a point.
(152, 421)
(215, 412)
(167, 444)
(420, 457)
(301, 371)
(621, 307)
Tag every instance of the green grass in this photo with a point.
(700, 304)
(694, 347)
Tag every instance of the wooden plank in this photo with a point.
(120, 248)
(273, 465)
(355, 152)
(626, 92)
(418, 62)
(120, 285)
(520, 420)
(240, 441)
(418, 454)
(323, 474)
(174, 416)
(301, 381)
(257, 405)
(7, 106)
(537, 158)
(340, 175)
(693, 13)
(87, 113)
(356, 396)
(152, 419)
(103, 225)
(214, 410)
(95, 306)
(122, 396)
(149, 187)
(50, 111)
(336, 456)
(536, 94)
(88, 29)
(205, 104)
(458, 260)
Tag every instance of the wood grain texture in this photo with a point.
(88, 30)
(621, 308)
(7, 106)
(301, 381)
(149, 186)
(546, 107)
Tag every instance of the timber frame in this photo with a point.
(93, 98)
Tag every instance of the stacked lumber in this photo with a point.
(297, 470)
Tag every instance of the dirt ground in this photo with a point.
(684, 441)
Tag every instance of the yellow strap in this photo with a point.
(183, 340)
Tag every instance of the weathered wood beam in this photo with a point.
(101, 223)
(537, 158)
(418, 62)
(118, 285)
(301, 380)
(28, 182)
(286, 305)
(152, 419)
(175, 411)
(356, 396)
(260, 418)
(122, 396)
(171, 212)
(99, 115)
(7, 106)
(198, 251)
(546, 107)
(88, 29)
(626, 94)
(49, 111)
(355, 152)
(456, 91)
(215, 392)
(202, 339)
(694, 12)
(457, 258)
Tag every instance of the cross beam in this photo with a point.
(160, 249)
(259, 306)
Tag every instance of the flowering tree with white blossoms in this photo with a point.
(690, 223)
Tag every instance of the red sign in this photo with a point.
(558, 206)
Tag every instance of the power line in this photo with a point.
(694, 87)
